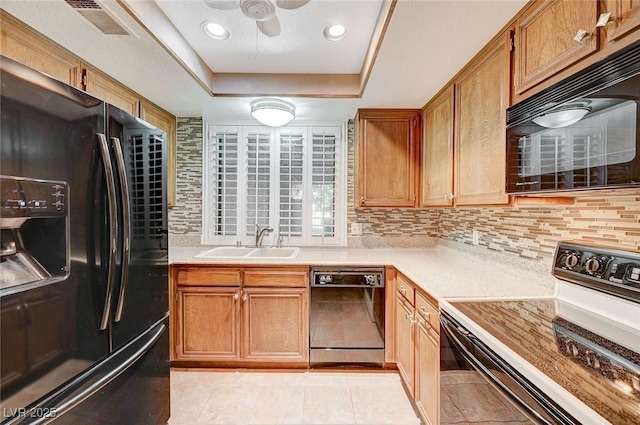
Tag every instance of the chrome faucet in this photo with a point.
(260, 234)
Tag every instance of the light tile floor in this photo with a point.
(275, 398)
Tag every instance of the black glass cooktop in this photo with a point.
(603, 373)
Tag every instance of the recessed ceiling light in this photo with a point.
(215, 31)
(335, 32)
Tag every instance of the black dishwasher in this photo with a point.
(346, 326)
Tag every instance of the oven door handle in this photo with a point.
(453, 331)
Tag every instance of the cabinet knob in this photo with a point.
(605, 18)
(582, 35)
(363, 200)
(245, 297)
(236, 296)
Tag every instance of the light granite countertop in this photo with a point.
(443, 271)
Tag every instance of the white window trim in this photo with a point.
(270, 239)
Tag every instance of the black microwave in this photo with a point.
(581, 133)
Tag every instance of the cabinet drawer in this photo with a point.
(207, 276)
(426, 309)
(406, 289)
(288, 278)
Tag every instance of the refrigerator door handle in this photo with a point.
(126, 225)
(113, 227)
(85, 385)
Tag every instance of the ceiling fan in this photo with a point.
(261, 11)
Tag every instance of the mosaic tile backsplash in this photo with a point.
(611, 218)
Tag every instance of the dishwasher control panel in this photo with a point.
(348, 277)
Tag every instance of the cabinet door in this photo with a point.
(544, 37)
(275, 324)
(482, 98)
(387, 157)
(30, 48)
(167, 123)
(405, 342)
(208, 323)
(625, 17)
(437, 151)
(427, 395)
(111, 92)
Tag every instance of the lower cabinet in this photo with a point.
(208, 323)
(274, 324)
(427, 362)
(405, 356)
(417, 343)
(242, 323)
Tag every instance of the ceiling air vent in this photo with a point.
(99, 16)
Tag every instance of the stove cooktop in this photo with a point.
(587, 338)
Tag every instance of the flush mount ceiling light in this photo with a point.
(215, 31)
(272, 112)
(563, 116)
(335, 32)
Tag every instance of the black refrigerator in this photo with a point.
(84, 268)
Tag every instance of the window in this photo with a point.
(290, 179)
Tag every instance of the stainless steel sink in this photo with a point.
(249, 252)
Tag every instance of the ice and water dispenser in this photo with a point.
(34, 223)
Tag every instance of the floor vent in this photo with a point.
(98, 15)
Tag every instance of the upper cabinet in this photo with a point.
(546, 39)
(37, 52)
(437, 151)
(110, 91)
(481, 101)
(624, 18)
(388, 147)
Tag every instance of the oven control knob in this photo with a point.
(571, 261)
(592, 265)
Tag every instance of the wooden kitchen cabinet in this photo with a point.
(275, 324)
(437, 151)
(228, 316)
(405, 344)
(427, 361)
(417, 346)
(625, 17)
(482, 97)
(544, 39)
(110, 91)
(33, 50)
(208, 323)
(388, 147)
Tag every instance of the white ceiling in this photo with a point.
(426, 43)
(300, 47)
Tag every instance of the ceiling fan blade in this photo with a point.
(291, 4)
(270, 28)
(222, 4)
